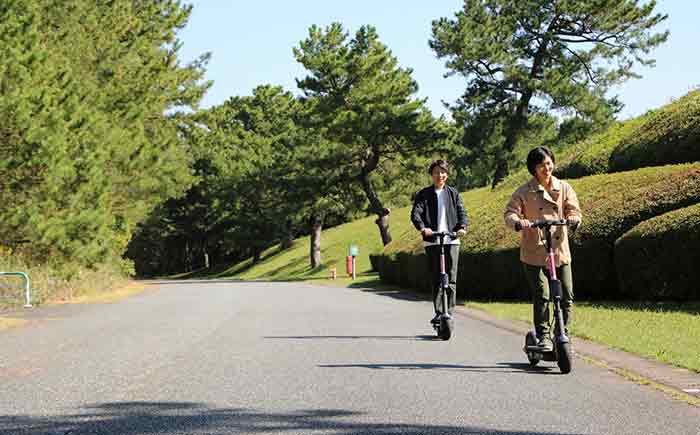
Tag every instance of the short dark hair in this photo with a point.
(537, 156)
(440, 164)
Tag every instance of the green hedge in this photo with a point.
(659, 259)
(612, 205)
(669, 135)
(592, 156)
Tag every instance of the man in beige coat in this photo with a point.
(544, 197)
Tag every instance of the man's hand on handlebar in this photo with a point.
(427, 232)
(521, 224)
(574, 222)
(543, 223)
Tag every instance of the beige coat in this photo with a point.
(532, 202)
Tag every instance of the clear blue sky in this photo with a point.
(251, 44)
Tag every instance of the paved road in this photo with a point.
(261, 358)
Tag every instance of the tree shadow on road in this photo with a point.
(354, 337)
(132, 418)
(198, 281)
(378, 287)
(506, 367)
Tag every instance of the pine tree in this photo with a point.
(95, 138)
(364, 103)
(554, 55)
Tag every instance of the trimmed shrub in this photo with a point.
(669, 135)
(592, 156)
(658, 259)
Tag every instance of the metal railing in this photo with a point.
(27, 295)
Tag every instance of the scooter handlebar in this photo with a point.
(546, 223)
(439, 236)
(444, 233)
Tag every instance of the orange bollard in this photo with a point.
(348, 264)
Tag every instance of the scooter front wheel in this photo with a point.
(564, 357)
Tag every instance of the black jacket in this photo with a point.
(424, 211)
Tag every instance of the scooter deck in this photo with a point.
(538, 349)
(536, 352)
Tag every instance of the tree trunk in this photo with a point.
(316, 226)
(379, 209)
(287, 241)
(383, 224)
(518, 120)
(516, 124)
(375, 204)
(187, 257)
(288, 238)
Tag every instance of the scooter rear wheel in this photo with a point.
(531, 340)
(446, 326)
(564, 357)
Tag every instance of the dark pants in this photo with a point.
(538, 280)
(451, 260)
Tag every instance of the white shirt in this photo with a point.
(442, 198)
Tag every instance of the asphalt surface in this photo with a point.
(283, 358)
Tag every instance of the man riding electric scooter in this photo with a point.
(545, 199)
(439, 208)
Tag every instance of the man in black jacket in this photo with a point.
(439, 208)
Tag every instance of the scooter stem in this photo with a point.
(443, 279)
(560, 330)
(445, 306)
(552, 265)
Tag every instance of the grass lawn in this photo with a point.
(95, 296)
(669, 333)
(7, 323)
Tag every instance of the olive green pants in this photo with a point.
(538, 279)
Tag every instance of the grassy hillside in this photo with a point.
(293, 263)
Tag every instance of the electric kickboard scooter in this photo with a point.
(561, 352)
(445, 326)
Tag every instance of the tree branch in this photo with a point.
(583, 62)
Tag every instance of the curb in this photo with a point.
(682, 381)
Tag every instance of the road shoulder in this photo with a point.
(680, 383)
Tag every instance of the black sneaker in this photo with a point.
(545, 343)
(435, 320)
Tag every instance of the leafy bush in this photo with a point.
(55, 283)
(658, 259)
(669, 135)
